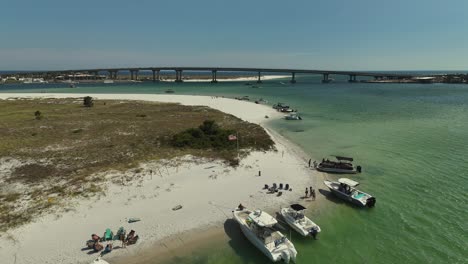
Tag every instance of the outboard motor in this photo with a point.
(371, 202)
(286, 256)
(358, 169)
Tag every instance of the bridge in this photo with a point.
(113, 72)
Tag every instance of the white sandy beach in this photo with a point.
(207, 190)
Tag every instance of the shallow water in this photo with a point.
(411, 141)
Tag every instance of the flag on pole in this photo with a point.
(232, 137)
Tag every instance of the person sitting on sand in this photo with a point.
(241, 207)
(108, 249)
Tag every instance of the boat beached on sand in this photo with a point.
(294, 216)
(345, 189)
(257, 226)
(293, 116)
(342, 165)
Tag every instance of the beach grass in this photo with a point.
(61, 151)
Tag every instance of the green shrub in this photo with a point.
(206, 136)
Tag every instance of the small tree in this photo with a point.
(88, 101)
(38, 115)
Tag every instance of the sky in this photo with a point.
(310, 34)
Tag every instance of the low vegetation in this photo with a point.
(57, 154)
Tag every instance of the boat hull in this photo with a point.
(343, 196)
(298, 228)
(275, 257)
(337, 170)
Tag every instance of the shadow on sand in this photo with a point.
(241, 245)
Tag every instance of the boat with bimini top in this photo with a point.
(257, 226)
(345, 189)
(295, 217)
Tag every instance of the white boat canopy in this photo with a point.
(262, 218)
(348, 182)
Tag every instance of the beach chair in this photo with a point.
(133, 240)
(108, 235)
(98, 247)
(95, 237)
(90, 243)
(275, 186)
(121, 231)
(286, 186)
(130, 235)
(281, 186)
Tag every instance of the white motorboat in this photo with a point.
(345, 190)
(293, 116)
(108, 81)
(257, 226)
(294, 216)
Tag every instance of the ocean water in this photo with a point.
(411, 141)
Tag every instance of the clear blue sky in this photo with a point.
(328, 34)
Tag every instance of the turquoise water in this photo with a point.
(411, 141)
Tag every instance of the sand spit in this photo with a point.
(206, 189)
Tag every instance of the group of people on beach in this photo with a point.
(314, 163)
(312, 192)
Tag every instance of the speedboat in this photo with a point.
(293, 116)
(257, 226)
(278, 106)
(169, 91)
(342, 165)
(294, 216)
(345, 189)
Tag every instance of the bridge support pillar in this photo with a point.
(178, 76)
(155, 75)
(352, 78)
(293, 77)
(136, 75)
(213, 76)
(325, 78)
(259, 80)
(131, 75)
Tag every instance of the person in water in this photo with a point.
(313, 232)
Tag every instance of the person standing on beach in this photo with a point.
(312, 192)
(307, 193)
(309, 162)
(122, 238)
